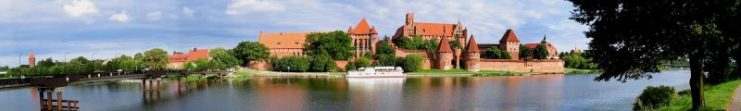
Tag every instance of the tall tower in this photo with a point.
(31, 59)
(444, 55)
(511, 44)
(473, 56)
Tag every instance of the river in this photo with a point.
(536, 92)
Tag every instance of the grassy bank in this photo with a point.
(582, 71)
(464, 72)
(716, 98)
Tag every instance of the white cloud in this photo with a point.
(238, 7)
(80, 8)
(156, 15)
(120, 17)
(188, 12)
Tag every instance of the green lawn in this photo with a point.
(716, 98)
(582, 71)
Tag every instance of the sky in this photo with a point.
(103, 29)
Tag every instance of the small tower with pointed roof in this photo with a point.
(444, 55)
(31, 59)
(511, 44)
(472, 56)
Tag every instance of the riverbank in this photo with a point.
(582, 71)
(462, 72)
(717, 97)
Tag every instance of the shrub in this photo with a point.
(412, 63)
(653, 97)
(387, 60)
(322, 63)
(362, 62)
(291, 64)
(350, 66)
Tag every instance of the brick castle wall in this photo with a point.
(543, 66)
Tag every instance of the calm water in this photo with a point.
(540, 92)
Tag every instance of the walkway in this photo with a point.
(735, 104)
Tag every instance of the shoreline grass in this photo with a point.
(463, 72)
(717, 98)
(582, 71)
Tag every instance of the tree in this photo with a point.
(412, 63)
(540, 52)
(155, 59)
(385, 48)
(387, 60)
(496, 53)
(405, 43)
(668, 29)
(222, 59)
(362, 62)
(322, 63)
(524, 52)
(248, 51)
(48, 62)
(291, 64)
(336, 43)
(203, 64)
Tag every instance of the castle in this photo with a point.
(469, 56)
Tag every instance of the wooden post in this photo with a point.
(41, 98)
(48, 100)
(59, 98)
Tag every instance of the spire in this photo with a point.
(544, 41)
(349, 30)
(444, 46)
(472, 46)
(31, 54)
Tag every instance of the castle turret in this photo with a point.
(473, 56)
(444, 55)
(511, 44)
(31, 59)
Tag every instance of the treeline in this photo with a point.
(540, 52)
(578, 59)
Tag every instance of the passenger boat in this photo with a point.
(376, 72)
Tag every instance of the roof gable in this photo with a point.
(362, 28)
(509, 36)
(434, 29)
(472, 46)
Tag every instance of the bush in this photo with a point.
(322, 63)
(653, 97)
(412, 63)
(362, 62)
(350, 66)
(291, 64)
(387, 60)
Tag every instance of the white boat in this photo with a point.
(381, 71)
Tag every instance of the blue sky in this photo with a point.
(102, 29)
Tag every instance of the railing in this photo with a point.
(66, 105)
(14, 82)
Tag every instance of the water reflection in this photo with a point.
(538, 92)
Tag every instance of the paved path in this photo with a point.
(735, 104)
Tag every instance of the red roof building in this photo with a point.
(432, 30)
(177, 59)
(364, 38)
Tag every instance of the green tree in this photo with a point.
(362, 62)
(496, 53)
(668, 29)
(540, 52)
(222, 59)
(412, 63)
(336, 43)
(155, 59)
(524, 52)
(322, 63)
(385, 48)
(291, 64)
(248, 51)
(405, 43)
(387, 60)
(203, 64)
(48, 62)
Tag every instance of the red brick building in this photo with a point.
(178, 59)
(364, 38)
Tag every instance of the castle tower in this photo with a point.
(31, 59)
(444, 55)
(511, 44)
(473, 56)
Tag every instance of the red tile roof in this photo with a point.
(532, 45)
(362, 28)
(509, 36)
(283, 40)
(434, 29)
(444, 46)
(191, 56)
(472, 46)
